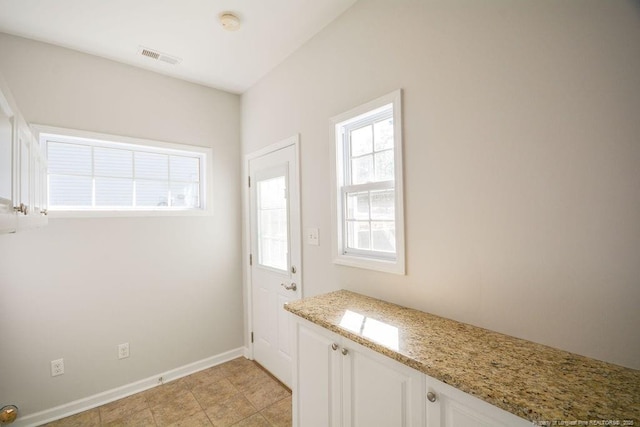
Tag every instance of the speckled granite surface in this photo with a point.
(530, 380)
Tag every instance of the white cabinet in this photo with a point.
(8, 222)
(29, 179)
(450, 407)
(337, 382)
(23, 172)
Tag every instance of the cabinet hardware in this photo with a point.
(293, 269)
(344, 351)
(431, 396)
(334, 346)
(23, 209)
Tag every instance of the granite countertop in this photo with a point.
(530, 380)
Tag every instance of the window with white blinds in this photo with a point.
(88, 174)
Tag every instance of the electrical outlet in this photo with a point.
(57, 367)
(123, 350)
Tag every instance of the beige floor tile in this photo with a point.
(242, 379)
(90, 418)
(164, 393)
(199, 419)
(182, 406)
(236, 365)
(207, 376)
(213, 393)
(265, 392)
(230, 411)
(122, 408)
(139, 419)
(279, 414)
(256, 420)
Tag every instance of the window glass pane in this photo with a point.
(184, 168)
(152, 193)
(361, 141)
(69, 190)
(69, 159)
(114, 192)
(383, 205)
(152, 166)
(112, 162)
(358, 205)
(358, 236)
(383, 132)
(383, 236)
(384, 166)
(272, 230)
(362, 170)
(185, 195)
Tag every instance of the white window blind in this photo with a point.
(104, 175)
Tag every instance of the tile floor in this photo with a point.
(238, 393)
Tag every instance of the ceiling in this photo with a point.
(188, 30)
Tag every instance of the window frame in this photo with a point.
(340, 165)
(94, 139)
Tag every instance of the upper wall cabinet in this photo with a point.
(8, 222)
(23, 171)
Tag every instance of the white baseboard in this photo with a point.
(108, 396)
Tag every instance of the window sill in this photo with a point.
(124, 213)
(387, 266)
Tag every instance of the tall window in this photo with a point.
(97, 175)
(368, 186)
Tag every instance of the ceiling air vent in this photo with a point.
(159, 56)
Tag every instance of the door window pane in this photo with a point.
(272, 230)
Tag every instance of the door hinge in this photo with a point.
(251, 337)
(250, 259)
(249, 180)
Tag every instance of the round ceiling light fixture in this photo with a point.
(229, 21)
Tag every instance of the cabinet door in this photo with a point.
(454, 408)
(378, 391)
(316, 377)
(7, 214)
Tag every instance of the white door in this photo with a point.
(275, 255)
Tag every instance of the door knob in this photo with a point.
(291, 287)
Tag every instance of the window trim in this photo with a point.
(338, 187)
(87, 138)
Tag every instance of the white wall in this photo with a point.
(170, 286)
(522, 159)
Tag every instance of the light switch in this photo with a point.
(312, 237)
